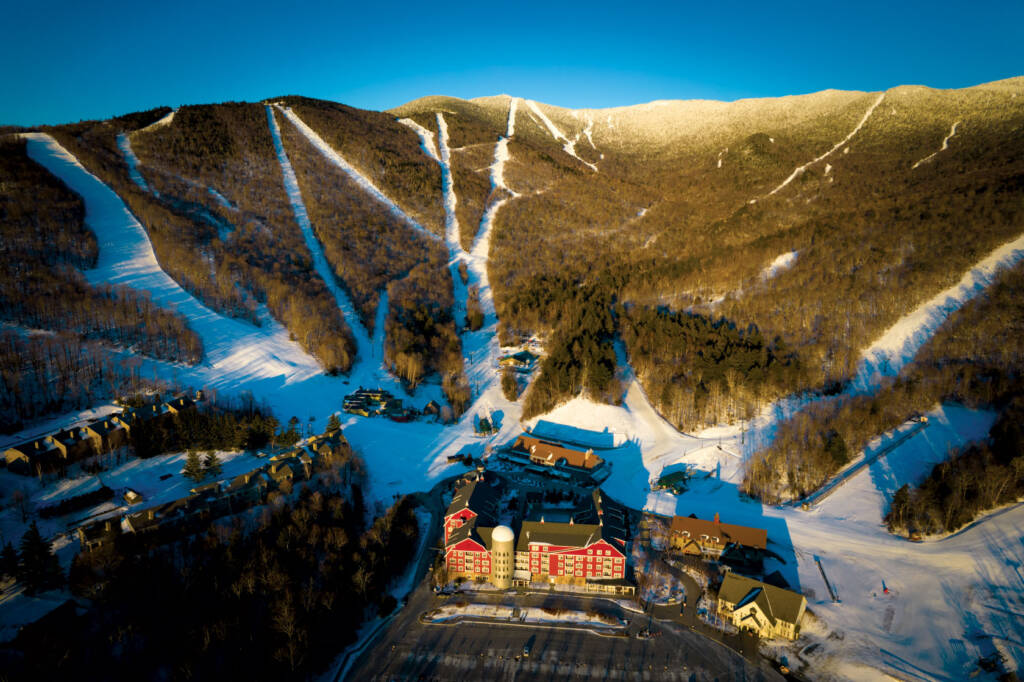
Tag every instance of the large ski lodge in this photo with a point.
(586, 549)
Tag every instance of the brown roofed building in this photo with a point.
(548, 453)
(108, 433)
(711, 538)
(43, 454)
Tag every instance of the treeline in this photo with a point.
(45, 374)
(280, 601)
(976, 479)
(366, 245)
(976, 358)
(420, 332)
(385, 151)
(215, 424)
(699, 372)
(44, 240)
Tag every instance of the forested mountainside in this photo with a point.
(44, 294)
(736, 252)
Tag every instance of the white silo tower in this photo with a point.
(502, 556)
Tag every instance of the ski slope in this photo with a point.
(364, 182)
(782, 262)
(426, 138)
(125, 145)
(800, 169)
(944, 147)
(569, 146)
(900, 343)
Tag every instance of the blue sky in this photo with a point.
(65, 61)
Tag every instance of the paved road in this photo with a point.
(410, 650)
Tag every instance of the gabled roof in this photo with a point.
(106, 425)
(470, 530)
(552, 453)
(478, 496)
(727, 533)
(558, 534)
(775, 602)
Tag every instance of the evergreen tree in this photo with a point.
(333, 423)
(193, 467)
(211, 465)
(9, 561)
(39, 569)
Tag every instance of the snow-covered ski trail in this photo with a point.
(125, 145)
(235, 350)
(165, 120)
(800, 169)
(426, 138)
(569, 146)
(899, 344)
(944, 147)
(451, 220)
(365, 183)
(368, 366)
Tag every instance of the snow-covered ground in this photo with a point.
(125, 145)
(426, 138)
(800, 169)
(782, 262)
(900, 343)
(944, 147)
(569, 146)
(338, 160)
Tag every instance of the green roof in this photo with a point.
(775, 602)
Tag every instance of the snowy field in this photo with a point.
(941, 595)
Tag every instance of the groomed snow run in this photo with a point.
(426, 138)
(451, 221)
(570, 145)
(364, 182)
(800, 169)
(166, 119)
(900, 343)
(234, 349)
(944, 147)
(125, 145)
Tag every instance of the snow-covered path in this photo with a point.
(368, 368)
(364, 182)
(426, 138)
(800, 169)
(782, 262)
(125, 145)
(126, 257)
(900, 343)
(944, 147)
(569, 146)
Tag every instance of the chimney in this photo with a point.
(106, 526)
(542, 519)
(570, 521)
(150, 514)
(716, 518)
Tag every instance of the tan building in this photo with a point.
(43, 454)
(759, 607)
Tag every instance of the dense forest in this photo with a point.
(271, 596)
(975, 358)
(49, 373)
(421, 337)
(697, 371)
(45, 245)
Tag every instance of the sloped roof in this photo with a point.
(558, 534)
(726, 532)
(478, 496)
(551, 453)
(775, 602)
